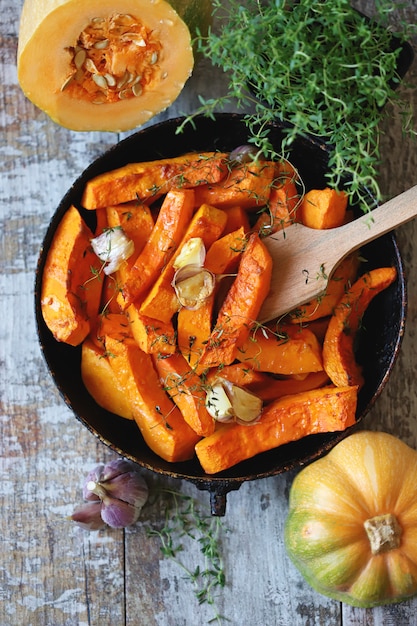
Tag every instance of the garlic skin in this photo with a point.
(118, 490)
(113, 248)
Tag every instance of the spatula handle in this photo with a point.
(381, 220)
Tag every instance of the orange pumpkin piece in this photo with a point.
(185, 388)
(136, 221)
(99, 380)
(109, 295)
(159, 420)
(237, 218)
(241, 305)
(287, 419)
(150, 180)
(161, 302)
(224, 254)
(287, 350)
(117, 325)
(280, 210)
(323, 208)
(152, 336)
(247, 185)
(71, 285)
(193, 330)
(341, 280)
(170, 226)
(338, 348)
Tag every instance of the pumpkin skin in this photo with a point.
(367, 480)
(160, 54)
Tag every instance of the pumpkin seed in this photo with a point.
(137, 89)
(66, 82)
(90, 66)
(110, 79)
(80, 58)
(153, 58)
(125, 93)
(123, 80)
(135, 38)
(100, 81)
(102, 44)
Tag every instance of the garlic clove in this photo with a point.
(226, 402)
(113, 248)
(193, 252)
(88, 516)
(116, 467)
(129, 487)
(118, 514)
(193, 285)
(246, 406)
(218, 404)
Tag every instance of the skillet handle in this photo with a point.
(218, 490)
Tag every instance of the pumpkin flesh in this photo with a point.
(105, 65)
(366, 476)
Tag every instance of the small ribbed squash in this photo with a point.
(352, 523)
(107, 65)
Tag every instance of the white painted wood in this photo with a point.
(51, 572)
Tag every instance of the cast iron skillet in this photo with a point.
(377, 350)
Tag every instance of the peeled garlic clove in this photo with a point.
(193, 285)
(193, 252)
(218, 404)
(226, 401)
(113, 248)
(246, 406)
(88, 516)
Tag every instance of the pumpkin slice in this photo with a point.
(71, 286)
(100, 381)
(106, 64)
(338, 348)
(287, 419)
(159, 420)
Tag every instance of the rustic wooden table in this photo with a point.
(54, 573)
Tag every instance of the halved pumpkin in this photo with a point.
(106, 65)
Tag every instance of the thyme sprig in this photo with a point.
(185, 521)
(320, 67)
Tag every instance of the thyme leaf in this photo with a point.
(185, 522)
(318, 66)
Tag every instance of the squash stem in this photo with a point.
(384, 533)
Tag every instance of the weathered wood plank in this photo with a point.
(52, 572)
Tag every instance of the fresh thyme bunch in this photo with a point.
(319, 66)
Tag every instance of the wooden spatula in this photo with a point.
(304, 258)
